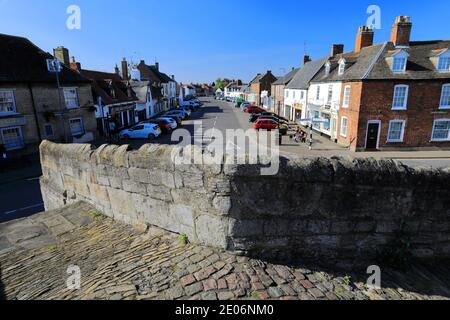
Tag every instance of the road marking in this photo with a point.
(33, 179)
(23, 209)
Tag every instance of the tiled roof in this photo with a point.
(286, 78)
(371, 63)
(22, 61)
(419, 64)
(109, 86)
(307, 72)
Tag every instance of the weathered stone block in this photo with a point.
(212, 231)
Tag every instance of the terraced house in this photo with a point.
(31, 106)
(392, 96)
(167, 84)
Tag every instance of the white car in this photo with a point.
(141, 131)
(181, 113)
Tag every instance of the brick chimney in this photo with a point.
(337, 49)
(401, 31)
(306, 59)
(116, 70)
(62, 54)
(75, 65)
(124, 69)
(364, 38)
(157, 66)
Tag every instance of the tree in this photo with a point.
(220, 84)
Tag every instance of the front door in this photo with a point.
(372, 135)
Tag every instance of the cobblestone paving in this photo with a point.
(121, 262)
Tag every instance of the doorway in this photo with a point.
(373, 134)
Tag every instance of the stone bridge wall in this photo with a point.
(333, 209)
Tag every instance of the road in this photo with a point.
(19, 199)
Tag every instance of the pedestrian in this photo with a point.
(298, 136)
(3, 154)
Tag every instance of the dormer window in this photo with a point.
(444, 64)
(399, 64)
(341, 67)
(327, 68)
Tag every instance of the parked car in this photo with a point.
(256, 116)
(244, 106)
(177, 119)
(141, 131)
(167, 125)
(270, 124)
(254, 109)
(183, 114)
(274, 119)
(188, 105)
(272, 114)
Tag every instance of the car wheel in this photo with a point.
(151, 137)
(126, 137)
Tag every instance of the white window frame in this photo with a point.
(13, 92)
(444, 56)
(402, 132)
(341, 69)
(405, 101)
(77, 98)
(82, 125)
(400, 56)
(21, 137)
(327, 68)
(287, 93)
(330, 94)
(342, 126)
(434, 125)
(346, 99)
(318, 93)
(444, 87)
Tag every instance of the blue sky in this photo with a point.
(200, 40)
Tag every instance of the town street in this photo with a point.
(23, 198)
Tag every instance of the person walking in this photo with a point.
(3, 154)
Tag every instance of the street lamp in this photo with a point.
(54, 66)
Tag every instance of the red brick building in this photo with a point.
(395, 95)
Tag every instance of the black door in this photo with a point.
(372, 135)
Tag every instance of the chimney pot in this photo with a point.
(124, 69)
(62, 54)
(337, 49)
(401, 31)
(364, 38)
(306, 58)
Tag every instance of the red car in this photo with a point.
(268, 124)
(253, 109)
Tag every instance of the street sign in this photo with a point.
(54, 65)
(314, 120)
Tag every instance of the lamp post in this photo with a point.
(54, 66)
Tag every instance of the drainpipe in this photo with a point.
(36, 118)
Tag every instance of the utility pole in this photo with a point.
(61, 104)
(53, 65)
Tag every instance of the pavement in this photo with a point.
(41, 255)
